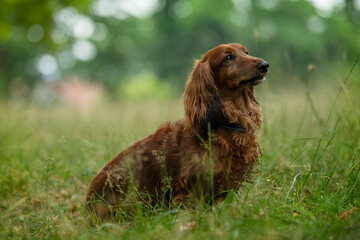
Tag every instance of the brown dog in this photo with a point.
(208, 152)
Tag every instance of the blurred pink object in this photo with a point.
(79, 94)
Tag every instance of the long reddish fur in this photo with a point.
(180, 151)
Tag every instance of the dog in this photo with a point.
(211, 150)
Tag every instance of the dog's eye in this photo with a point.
(247, 53)
(228, 58)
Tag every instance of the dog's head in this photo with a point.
(223, 73)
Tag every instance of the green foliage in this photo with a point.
(305, 186)
(18, 54)
(307, 181)
(165, 41)
(146, 87)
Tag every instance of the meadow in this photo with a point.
(306, 185)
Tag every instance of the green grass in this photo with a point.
(306, 185)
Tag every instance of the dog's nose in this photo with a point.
(262, 66)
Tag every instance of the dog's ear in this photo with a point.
(202, 100)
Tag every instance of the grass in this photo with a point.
(306, 185)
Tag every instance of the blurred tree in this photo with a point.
(109, 40)
(25, 32)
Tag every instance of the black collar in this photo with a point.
(233, 127)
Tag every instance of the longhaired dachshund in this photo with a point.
(201, 156)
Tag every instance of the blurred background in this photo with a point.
(76, 52)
